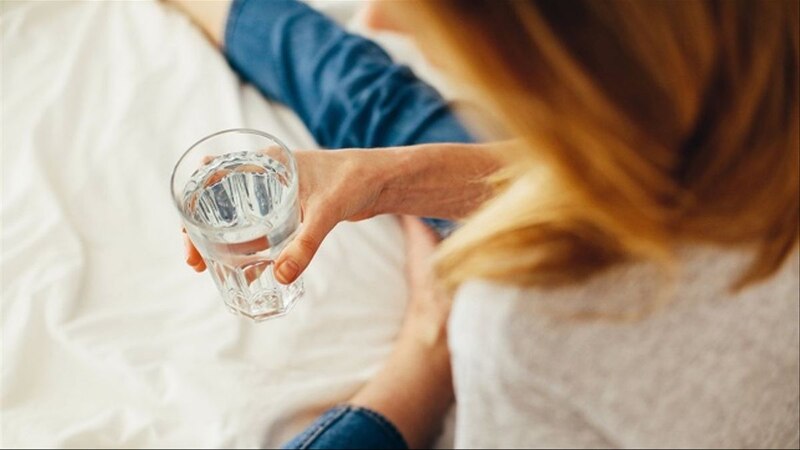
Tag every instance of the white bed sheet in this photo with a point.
(108, 338)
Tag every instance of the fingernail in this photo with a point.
(287, 271)
(187, 252)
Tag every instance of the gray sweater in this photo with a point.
(705, 369)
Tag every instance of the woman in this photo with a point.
(629, 278)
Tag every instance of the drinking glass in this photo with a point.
(237, 192)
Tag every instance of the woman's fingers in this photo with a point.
(200, 267)
(294, 259)
(193, 257)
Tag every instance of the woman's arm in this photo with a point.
(403, 405)
(349, 93)
(345, 88)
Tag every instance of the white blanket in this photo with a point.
(108, 338)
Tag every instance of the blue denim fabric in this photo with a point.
(345, 88)
(344, 427)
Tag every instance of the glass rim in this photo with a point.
(293, 165)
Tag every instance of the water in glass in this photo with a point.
(244, 211)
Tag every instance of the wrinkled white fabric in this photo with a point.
(108, 338)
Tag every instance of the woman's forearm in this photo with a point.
(435, 180)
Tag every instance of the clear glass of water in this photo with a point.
(237, 193)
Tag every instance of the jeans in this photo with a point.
(343, 427)
(345, 88)
(349, 93)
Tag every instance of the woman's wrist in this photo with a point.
(446, 181)
(395, 167)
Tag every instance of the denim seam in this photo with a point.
(321, 427)
(384, 423)
(233, 21)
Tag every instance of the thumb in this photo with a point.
(294, 259)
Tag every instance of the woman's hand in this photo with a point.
(334, 186)
(434, 180)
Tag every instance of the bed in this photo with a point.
(108, 338)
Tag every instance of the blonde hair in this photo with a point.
(640, 125)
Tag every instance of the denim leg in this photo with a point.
(349, 427)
